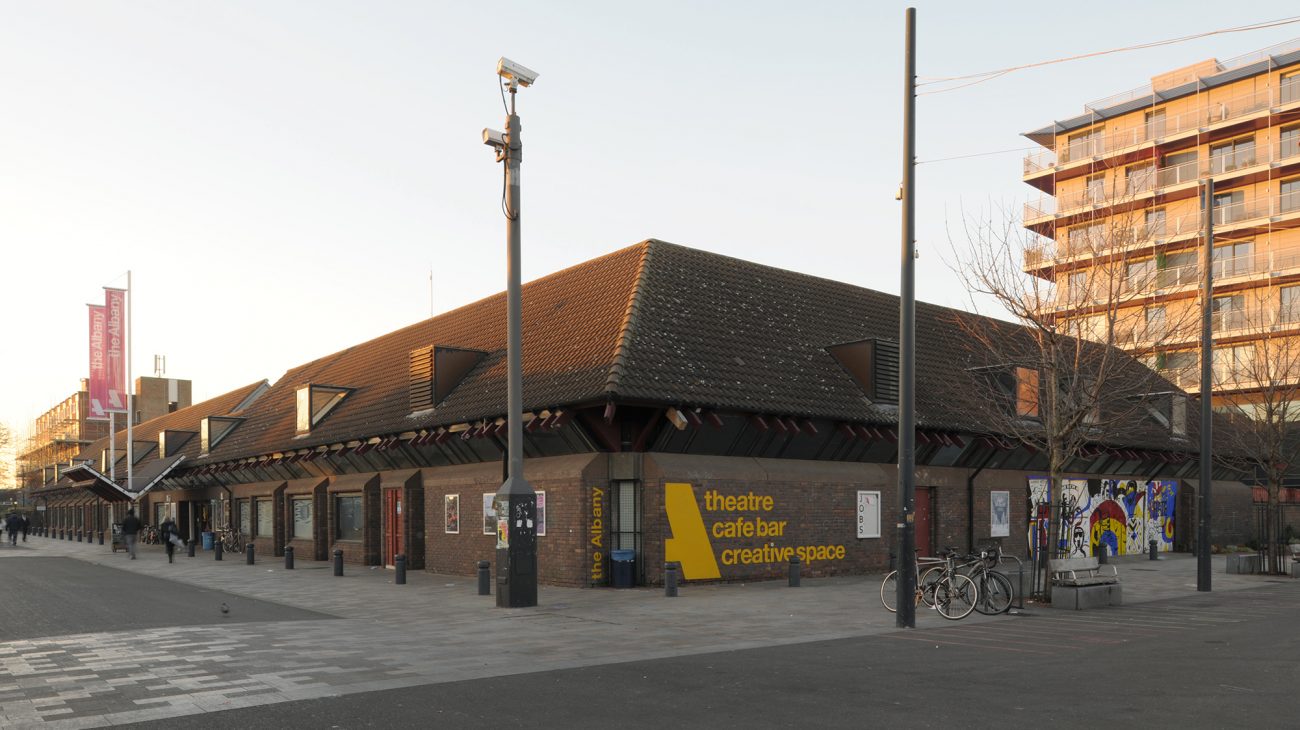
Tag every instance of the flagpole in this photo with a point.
(130, 393)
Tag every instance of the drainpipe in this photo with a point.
(970, 502)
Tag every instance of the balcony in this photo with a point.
(1162, 128)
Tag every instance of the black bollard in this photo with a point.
(79, 536)
(101, 537)
(484, 578)
(1153, 547)
(191, 548)
(248, 554)
(399, 564)
(794, 571)
(288, 557)
(670, 580)
(338, 563)
(1103, 557)
(217, 549)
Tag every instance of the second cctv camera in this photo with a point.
(494, 137)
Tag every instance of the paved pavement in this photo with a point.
(381, 636)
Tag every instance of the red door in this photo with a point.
(392, 525)
(922, 504)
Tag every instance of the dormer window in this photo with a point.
(873, 365)
(1027, 405)
(213, 429)
(315, 402)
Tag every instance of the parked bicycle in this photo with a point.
(995, 590)
(928, 571)
(938, 585)
(232, 540)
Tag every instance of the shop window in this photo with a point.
(265, 517)
(245, 517)
(348, 510)
(302, 518)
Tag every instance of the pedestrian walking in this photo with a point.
(170, 537)
(26, 523)
(130, 530)
(13, 524)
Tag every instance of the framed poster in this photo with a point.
(489, 514)
(999, 514)
(541, 514)
(451, 514)
(868, 514)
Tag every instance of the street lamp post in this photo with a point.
(515, 503)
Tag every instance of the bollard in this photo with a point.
(288, 557)
(248, 554)
(1153, 547)
(399, 565)
(484, 578)
(191, 548)
(670, 580)
(1102, 557)
(338, 563)
(794, 571)
(79, 536)
(217, 549)
(101, 537)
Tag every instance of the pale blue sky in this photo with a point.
(281, 175)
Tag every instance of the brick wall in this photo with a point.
(559, 552)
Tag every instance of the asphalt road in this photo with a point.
(42, 597)
(1216, 660)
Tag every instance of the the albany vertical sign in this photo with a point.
(725, 535)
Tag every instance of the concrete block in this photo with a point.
(1243, 563)
(1295, 569)
(1079, 598)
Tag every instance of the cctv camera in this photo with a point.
(512, 71)
(494, 137)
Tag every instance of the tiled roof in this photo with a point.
(182, 419)
(572, 320)
(652, 323)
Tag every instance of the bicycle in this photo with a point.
(955, 595)
(995, 590)
(928, 571)
(232, 540)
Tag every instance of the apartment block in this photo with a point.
(1116, 235)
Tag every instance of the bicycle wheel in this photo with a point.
(929, 579)
(889, 591)
(995, 593)
(955, 596)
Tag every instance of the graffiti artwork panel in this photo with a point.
(1121, 514)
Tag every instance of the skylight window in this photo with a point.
(315, 402)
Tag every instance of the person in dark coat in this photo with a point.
(168, 531)
(25, 524)
(130, 531)
(13, 523)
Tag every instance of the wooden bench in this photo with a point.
(1079, 583)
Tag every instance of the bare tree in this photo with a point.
(1060, 383)
(1256, 371)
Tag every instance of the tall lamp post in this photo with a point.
(515, 503)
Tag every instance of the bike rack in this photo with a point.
(1020, 578)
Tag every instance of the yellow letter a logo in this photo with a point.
(689, 544)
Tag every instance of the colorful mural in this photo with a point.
(1122, 514)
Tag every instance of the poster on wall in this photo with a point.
(451, 514)
(541, 514)
(1000, 514)
(489, 514)
(868, 514)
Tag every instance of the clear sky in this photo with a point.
(281, 177)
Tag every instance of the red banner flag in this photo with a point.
(115, 349)
(98, 361)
